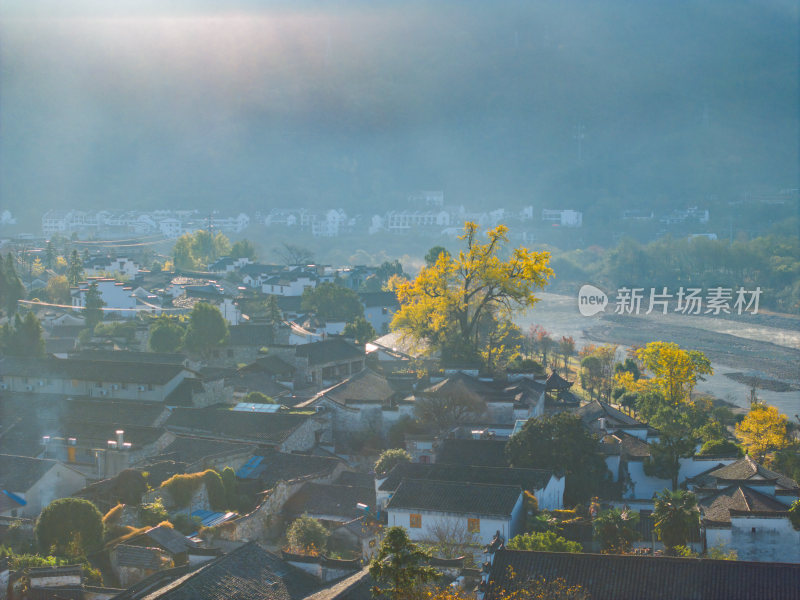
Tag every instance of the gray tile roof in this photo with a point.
(247, 573)
(318, 499)
(282, 466)
(527, 479)
(91, 370)
(19, 473)
(614, 577)
(329, 351)
(455, 497)
(268, 428)
(746, 469)
(485, 453)
(718, 508)
(138, 557)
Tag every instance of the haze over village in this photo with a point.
(306, 301)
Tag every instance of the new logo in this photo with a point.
(591, 300)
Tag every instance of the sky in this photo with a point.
(356, 104)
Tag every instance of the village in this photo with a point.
(241, 428)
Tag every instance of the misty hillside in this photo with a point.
(358, 105)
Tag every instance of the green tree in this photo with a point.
(49, 255)
(617, 530)
(332, 302)
(720, 447)
(69, 523)
(676, 518)
(400, 567)
(561, 443)
(545, 541)
(166, 334)
(93, 311)
(433, 255)
(360, 330)
(74, 268)
(307, 536)
(453, 304)
(129, 486)
(207, 329)
(24, 338)
(231, 486)
(11, 288)
(153, 513)
(389, 459)
(259, 398)
(244, 249)
(676, 440)
(794, 514)
(57, 290)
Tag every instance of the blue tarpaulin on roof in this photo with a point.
(15, 498)
(246, 470)
(209, 518)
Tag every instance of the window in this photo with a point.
(474, 525)
(415, 521)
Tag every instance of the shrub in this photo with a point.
(546, 541)
(152, 514)
(390, 458)
(129, 486)
(307, 535)
(185, 524)
(71, 525)
(182, 486)
(720, 448)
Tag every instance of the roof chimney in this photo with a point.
(120, 437)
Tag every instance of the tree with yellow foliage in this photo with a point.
(458, 302)
(763, 430)
(674, 371)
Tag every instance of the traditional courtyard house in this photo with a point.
(424, 507)
(324, 363)
(286, 432)
(93, 378)
(366, 401)
(545, 485)
(330, 503)
(28, 484)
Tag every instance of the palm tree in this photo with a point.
(676, 518)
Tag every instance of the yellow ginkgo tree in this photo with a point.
(763, 430)
(458, 303)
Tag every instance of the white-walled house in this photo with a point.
(93, 378)
(544, 484)
(423, 507)
(98, 265)
(28, 484)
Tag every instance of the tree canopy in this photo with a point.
(93, 311)
(166, 334)
(763, 430)
(69, 526)
(391, 458)
(676, 518)
(307, 536)
(616, 529)
(400, 566)
(360, 331)
(207, 329)
(560, 442)
(456, 302)
(11, 288)
(675, 372)
(197, 250)
(543, 541)
(333, 302)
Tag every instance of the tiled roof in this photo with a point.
(597, 409)
(357, 479)
(717, 508)
(247, 573)
(631, 446)
(251, 335)
(132, 357)
(455, 497)
(555, 381)
(485, 453)
(364, 386)
(168, 538)
(318, 499)
(19, 473)
(192, 449)
(274, 365)
(615, 577)
(138, 557)
(282, 466)
(746, 469)
(355, 587)
(370, 299)
(268, 428)
(90, 370)
(527, 479)
(328, 351)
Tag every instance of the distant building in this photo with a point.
(564, 218)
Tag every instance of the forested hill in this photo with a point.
(599, 106)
